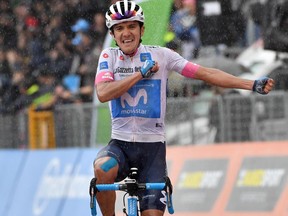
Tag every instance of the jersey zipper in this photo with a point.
(134, 120)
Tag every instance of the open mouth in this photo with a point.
(127, 41)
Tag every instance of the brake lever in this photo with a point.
(169, 191)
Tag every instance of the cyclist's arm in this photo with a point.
(222, 79)
(108, 90)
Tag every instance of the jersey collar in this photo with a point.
(134, 54)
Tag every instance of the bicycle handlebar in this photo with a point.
(125, 186)
(131, 187)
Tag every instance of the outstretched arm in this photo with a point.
(222, 79)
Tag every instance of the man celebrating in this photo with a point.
(133, 78)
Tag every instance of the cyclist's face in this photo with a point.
(127, 36)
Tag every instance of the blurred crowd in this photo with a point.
(49, 49)
(226, 23)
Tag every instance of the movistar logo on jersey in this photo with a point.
(143, 100)
(132, 102)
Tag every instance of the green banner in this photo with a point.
(157, 15)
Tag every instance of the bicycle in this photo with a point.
(131, 187)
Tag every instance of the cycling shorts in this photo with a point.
(149, 158)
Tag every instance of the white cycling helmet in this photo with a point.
(123, 11)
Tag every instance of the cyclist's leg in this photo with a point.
(152, 213)
(109, 166)
(153, 169)
(106, 200)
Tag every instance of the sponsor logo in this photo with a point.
(260, 177)
(142, 100)
(121, 58)
(53, 183)
(123, 70)
(107, 75)
(134, 101)
(105, 55)
(259, 184)
(201, 179)
(163, 199)
(200, 184)
(145, 56)
(104, 65)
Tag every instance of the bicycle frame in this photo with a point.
(131, 186)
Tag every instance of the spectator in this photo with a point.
(5, 7)
(85, 60)
(16, 60)
(81, 25)
(84, 64)
(59, 61)
(184, 24)
(53, 30)
(98, 27)
(7, 31)
(21, 12)
(171, 41)
(5, 72)
(15, 97)
(44, 98)
(84, 9)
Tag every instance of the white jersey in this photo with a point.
(138, 115)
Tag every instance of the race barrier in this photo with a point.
(46, 182)
(247, 179)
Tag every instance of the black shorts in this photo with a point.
(149, 158)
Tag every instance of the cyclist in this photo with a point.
(136, 90)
